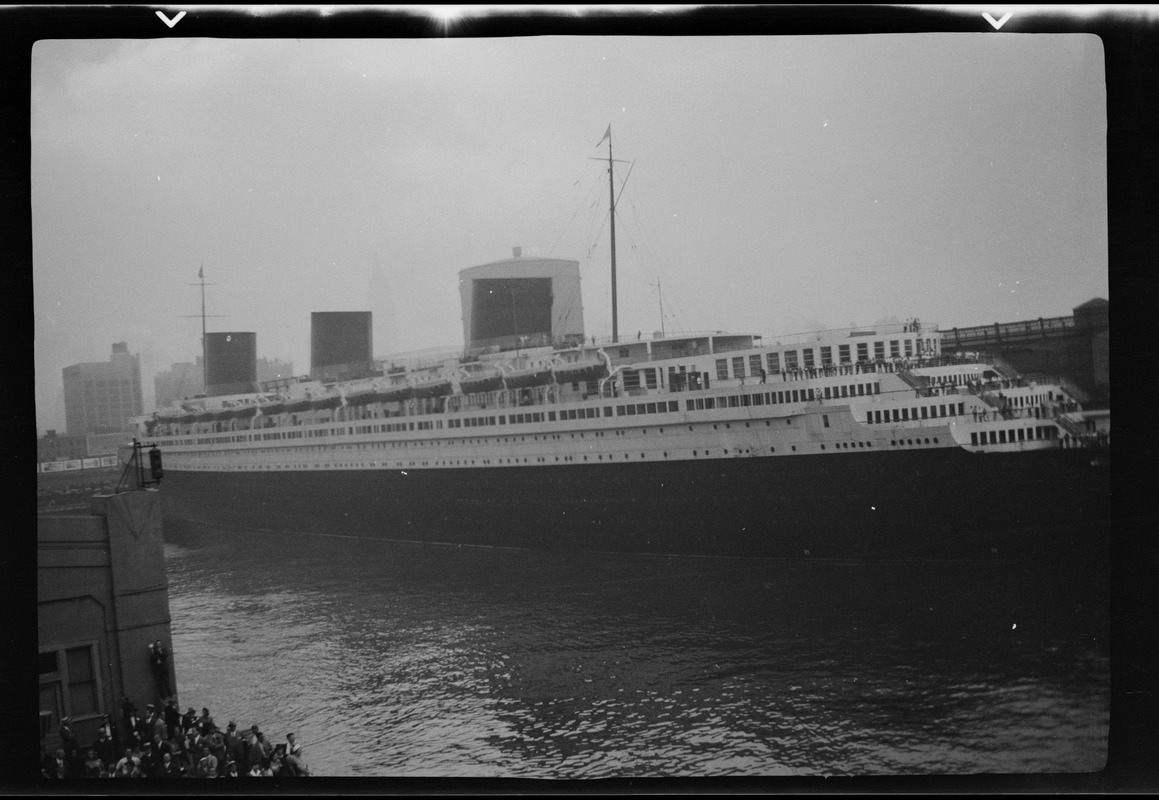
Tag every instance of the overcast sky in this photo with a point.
(777, 184)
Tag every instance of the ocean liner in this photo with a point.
(867, 442)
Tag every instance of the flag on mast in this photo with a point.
(607, 135)
(201, 272)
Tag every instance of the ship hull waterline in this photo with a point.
(936, 503)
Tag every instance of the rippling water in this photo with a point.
(401, 660)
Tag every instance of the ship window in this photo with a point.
(1002, 437)
(879, 349)
(1022, 434)
(721, 369)
(651, 408)
(709, 403)
(774, 362)
(755, 365)
(894, 349)
(551, 416)
(863, 351)
(632, 410)
(843, 353)
(608, 411)
(790, 359)
(825, 420)
(808, 353)
(738, 367)
(826, 393)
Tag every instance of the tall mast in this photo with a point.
(612, 195)
(661, 298)
(204, 355)
(204, 335)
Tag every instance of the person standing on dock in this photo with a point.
(159, 661)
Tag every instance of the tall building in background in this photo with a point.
(380, 301)
(101, 397)
(181, 380)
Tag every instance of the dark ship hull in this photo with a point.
(929, 503)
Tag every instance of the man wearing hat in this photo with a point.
(215, 742)
(106, 744)
(150, 761)
(172, 718)
(235, 747)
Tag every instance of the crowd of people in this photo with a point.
(164, 743)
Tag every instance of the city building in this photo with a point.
(101, 397)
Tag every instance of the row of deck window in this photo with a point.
(934, 411)
(810, 357)
(1013, 435)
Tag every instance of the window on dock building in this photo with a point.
(68, 683)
